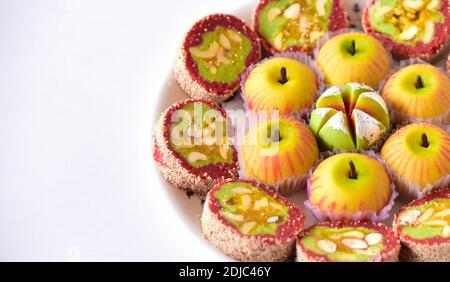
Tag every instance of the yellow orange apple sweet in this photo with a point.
(282, 84)
(419, 156)
(279, 152)
(349, 186)
(353, 57)
(419, 92)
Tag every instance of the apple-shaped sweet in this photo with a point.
(279, 152)
(353, 57)
(419, 156)
(282, 84)
(349, 186)
(419, 92)
(352, 116)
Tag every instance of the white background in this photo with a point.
(78, 83)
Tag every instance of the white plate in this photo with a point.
(190, 208)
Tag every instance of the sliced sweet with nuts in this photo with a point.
(409, 33)
(373, 238)
(209, 53)
(232, 216)
(326, 246)
(196, 156)
(273, 13)
(355, 244)
(234, 36)
(292, 12)
(242, 190)
(224, 41)
(353, 233)
(248, 226)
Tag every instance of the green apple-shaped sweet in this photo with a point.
(353, 57)
(282, 84)
(352, 116)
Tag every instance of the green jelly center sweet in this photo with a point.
(406, 21)
(344, 244)
(288, 23)
(222, 55)
(199, 133)
(249, 209)
(426, 221)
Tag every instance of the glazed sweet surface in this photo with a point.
(407, 21)
(222, 55)
(368, 64)
(332, 190)
(344, 244)
(402, 93)
(428, 220)
(263, 90)
(349, 117)
(404, 153)
(272, 161)
(199, 133)
(288, 23)
(250, 209)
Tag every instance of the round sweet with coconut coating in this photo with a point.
(199, 162)
(348, 241)
(423, 228)
(213, 55)
(297, 25)
(411, 28)
(250, 222)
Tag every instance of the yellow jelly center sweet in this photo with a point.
(251, 210)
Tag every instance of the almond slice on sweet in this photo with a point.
(433, 5)
(224, 151)
(446, 231)
(272, 219)
(353, 233)
(373, 238)
(248, 226)
(234, 36)
(209, 53)
(426, 215)
(278, 42)
(224, 41)
(222, 58)
(212, 69)
(292, 12)
(246, 201)
(326, 246)
(273, 13)
(232, 216)
(436, 222)
(196, 156)
(261, 203)
(241, 190)
(416, 5)
(443, 213)
(356, 244)
(429, 32)
(408, 216)
(320, 7)
(409, 33)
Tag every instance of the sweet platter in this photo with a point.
(312, 130)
